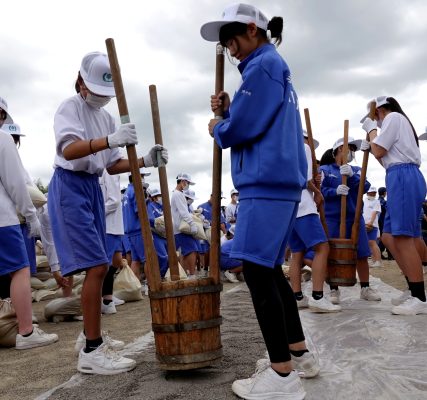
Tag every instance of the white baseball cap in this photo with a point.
(155, 192)
(372, 189)
(315, 142)
(3, 106)
(190, 194)
(13, 129)
(240, 12)
(379, 101)
(234, 191)
(185, 177)
(352, 141)
(96, 73)
(423, 136)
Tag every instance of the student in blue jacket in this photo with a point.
(262, 127)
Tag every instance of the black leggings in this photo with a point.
(107, 286)
(276, 309)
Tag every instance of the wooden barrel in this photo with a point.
(186, 324)
(342, 262)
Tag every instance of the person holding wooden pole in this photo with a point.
(397, 150)
(87, 142)
(262, 126)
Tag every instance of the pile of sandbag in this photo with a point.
(62, 309)
(8, 324)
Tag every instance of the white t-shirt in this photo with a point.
(397, 137)
(47, 238)
(370, 206)
(14, 195)
(179, 208)
(110, 186)
(76, 120)
(230, 212)
(307, 205)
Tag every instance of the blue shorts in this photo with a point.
(227, 263)
(114, 245)
(186, 244)
(13, 254)
(137, 247)
(125, 245)
(363, 250)
(77, 215)
(263, 231)
(30, 245)
(307, 233)
(161, 246)
(372, 235)
(309, 255)
(406, 190)
(203, 246)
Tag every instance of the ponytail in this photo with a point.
(275, 26)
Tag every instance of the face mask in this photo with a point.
(186, 186)
(379, 123)
(97, 101)
(190, 202)
(369, 197)
(237, 198)
(350, 156)
(159, 201)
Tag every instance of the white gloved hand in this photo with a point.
(124, 136)
(193, 229)
(157, 156)
(365, 145)
(342, 190)
(369, 125)
(206, 224)
(346, 170)
(33, 225)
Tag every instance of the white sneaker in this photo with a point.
(104, 361)
(369, 294)
(334, 296)
(191, 277)
(377, 264)
(322, 305)
(117, 301)
(411, 306)
(397, 301)
(204, 273)
(303, 303)
(231, 277)
(108, 308)
(307, 365)
(268, 385)
(37, 339)
(114, 344)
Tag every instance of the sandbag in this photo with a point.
(182, 274)
(36, 283)
(127, 286)
(44, 294)
(184, 227)
(159, 226)
(8, 324)
(51, 284)
(37, 197)
(43, 276)
(64, 306)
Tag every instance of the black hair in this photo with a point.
(394, 106)
(382, 190)
(79, 81)
(17, 140)
(3, 114)
(327, 158)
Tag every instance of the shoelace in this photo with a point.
(110, 353)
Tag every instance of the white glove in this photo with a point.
(346, 170)
(206, 224)
(342, 190)
(33, 225)
(365, 145)
(124, 136)
(369, 125)
(193, 229)
(157, 156)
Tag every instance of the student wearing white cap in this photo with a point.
(332, 190)
(231, 209)
(262, 127)
(397, 150)
(185, 243)
(87, 142)
(371, 212)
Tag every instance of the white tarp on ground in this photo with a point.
(365, 351)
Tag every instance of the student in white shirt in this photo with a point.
(231, 209)
(397, 150)
(371, 212)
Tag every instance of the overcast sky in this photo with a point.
(341, 54)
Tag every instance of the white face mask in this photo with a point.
(159, 201)
(190, 202)
(369, 197)
(97, 101)
(350, 156)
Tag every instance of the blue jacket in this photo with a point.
(264, 130)
(154, 211)
(131, 222)
(207, 212)
(332, 178)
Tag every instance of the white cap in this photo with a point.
(96, 74)
(155, 192)
(372, 189)
(379, 101)
(340, 142)
(3, 106)
(423, 136)
(240, 12)
(315, 142)
(190, 194)
(234, 191)
(13, 129)
(185, 177)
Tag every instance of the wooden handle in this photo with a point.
(344, 182)
(152, 269)
(170, 238)
(314, 168)
(215, 249)
(358, 212)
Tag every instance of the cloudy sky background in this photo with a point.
(341, 53)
